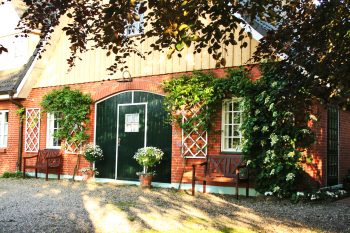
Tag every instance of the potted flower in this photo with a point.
(92, 154)
(88, 173)
(147, 157)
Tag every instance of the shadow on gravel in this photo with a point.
(63, 206)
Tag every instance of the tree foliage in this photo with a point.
(174, 23)
(314, 42)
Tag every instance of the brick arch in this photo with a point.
(110, 88)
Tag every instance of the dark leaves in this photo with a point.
(3, 49)
(173, 23)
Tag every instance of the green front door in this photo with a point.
(120, 144)
(130, 137)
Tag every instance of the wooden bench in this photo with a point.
(221, 169)
(48, 160)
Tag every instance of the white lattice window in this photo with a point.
(231, 137)
(52, 127)
(32, 133)
(195, 142)
(137, 27)
(4, 115)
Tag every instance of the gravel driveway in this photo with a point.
(62, 206)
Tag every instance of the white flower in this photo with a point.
(276, 189)
(300, 194)
(313, 197)
(268, 193)
(93, 153)
(290, 176)
(342, 192)
(265, 129)
(331, 194)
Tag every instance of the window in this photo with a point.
(231, 137)
(137, 27)
(52, 126)
(4, 116)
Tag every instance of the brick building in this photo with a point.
(118, 105)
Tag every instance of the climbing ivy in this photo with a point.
(276, 131)
(275, 126)
(187, 93)
(73, 107)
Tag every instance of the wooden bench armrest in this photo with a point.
(239, 167)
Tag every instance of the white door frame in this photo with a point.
(145, 136)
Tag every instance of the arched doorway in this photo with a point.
(126, 122)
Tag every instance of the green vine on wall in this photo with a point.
(73, 108)
(187, 94)
(274, 127)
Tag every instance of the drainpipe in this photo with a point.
(20, 131)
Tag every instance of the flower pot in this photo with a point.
(87, 176)
(146, 180)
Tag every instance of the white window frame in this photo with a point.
(50, 128)
(3, 128)
(138, 25)
(225, 122)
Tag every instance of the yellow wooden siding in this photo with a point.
(94, 63)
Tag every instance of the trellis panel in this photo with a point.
(73, 147)
(195, 142)
(32, 133)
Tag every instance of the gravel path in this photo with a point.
(62, 206)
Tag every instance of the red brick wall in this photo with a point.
(103, 89)
(318, 151)
(8, 155)
(318, 170)
(344, 144)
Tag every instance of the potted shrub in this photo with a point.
(147, 157)
(92, 154)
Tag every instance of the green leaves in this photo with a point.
(74, 108)
(274, 136)
(179, 46)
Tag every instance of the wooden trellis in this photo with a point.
(194, 142)
(32, 133)
(73, 147)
